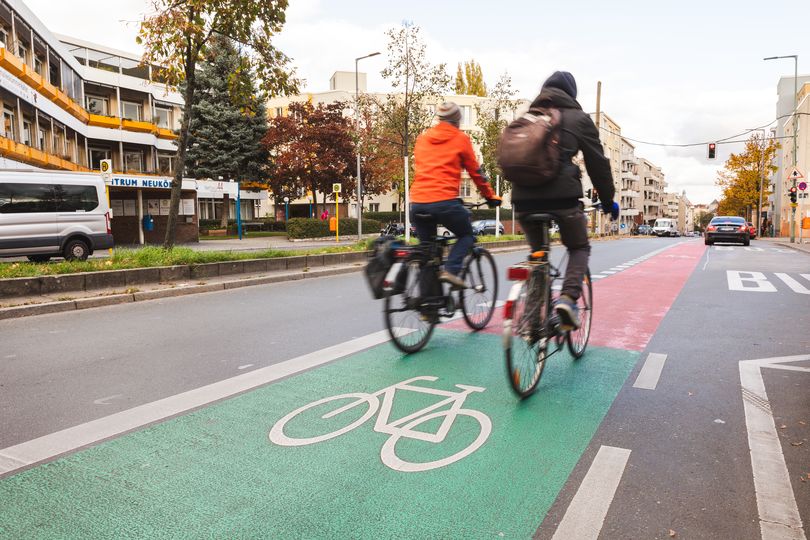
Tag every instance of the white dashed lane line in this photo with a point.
(629, 264)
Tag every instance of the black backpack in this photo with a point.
(529, 149)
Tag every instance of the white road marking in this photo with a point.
(759, 283)
(793, 284)
(779, 517)
(608, 272)
(244, 367)
(598, 276)
(586, 514)
(70, 439)
(651, 371)
(106, 400)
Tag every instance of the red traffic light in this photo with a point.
(712, 149)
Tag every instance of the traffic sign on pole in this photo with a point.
(802, 186)
(795, 173)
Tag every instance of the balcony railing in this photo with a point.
(33, 156)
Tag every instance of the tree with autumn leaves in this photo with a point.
(743, 175)
(176, 34)
(311, 148)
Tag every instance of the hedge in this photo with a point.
(267, 224)
(316, 228)
(478, 213)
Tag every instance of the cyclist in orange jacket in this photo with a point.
(440, 154)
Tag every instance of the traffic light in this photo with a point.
(792, 194)
(712, 149)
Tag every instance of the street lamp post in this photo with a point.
(286, 209)
(795, 122)
(357, 128)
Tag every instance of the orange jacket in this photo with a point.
(439, 155)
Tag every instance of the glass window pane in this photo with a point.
(97, 105)
(133, 161)
(72, 198)
(134, 68)
(23, 198)
(163, 117)
(132, 111)
(96, 155)
(101, 60)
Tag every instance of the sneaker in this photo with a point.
(452, 279)
(567, 311)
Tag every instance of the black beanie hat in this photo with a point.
(564, 81)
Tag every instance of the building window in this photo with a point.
(41, 138)
(163, 117)
(465, 190)
(165, 163)
(96, 155)
(97, 105)
(279, 112)
(132, 110)
(22, 52)
(466, 115)
(26, 134)
(8, 123)
(393, 207)
(39, 65)
(59, 146)
(374, 207)
(133, 161)
(3, 37)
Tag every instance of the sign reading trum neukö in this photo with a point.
(123, 181)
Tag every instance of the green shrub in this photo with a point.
(316, 228)
(478, 213)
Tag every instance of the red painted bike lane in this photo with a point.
(629, 305)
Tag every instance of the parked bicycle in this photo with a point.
(532, 331)
(416, 301)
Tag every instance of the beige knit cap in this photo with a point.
(449, 112)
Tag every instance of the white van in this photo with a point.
(46, 214)
(665, 227)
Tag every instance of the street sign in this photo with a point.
(795, 174)
(336, 188)
(802, 186)
(106, 168)
(624, 225)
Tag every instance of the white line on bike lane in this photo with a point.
(50, 446)
(651, 371)
(586, 514)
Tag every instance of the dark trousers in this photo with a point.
(456, 218)
(574, 235)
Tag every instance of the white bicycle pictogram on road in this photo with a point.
(404, 427)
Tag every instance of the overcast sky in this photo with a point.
(672, 72)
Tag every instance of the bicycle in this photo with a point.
(530, 324)
(406, 427)
(416, 301)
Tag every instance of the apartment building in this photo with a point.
(800, 124)
(678, 207)
(778, 200)
(629, 194)
(342, 89)
(652, 190)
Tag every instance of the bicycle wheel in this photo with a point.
(409, 328)
(280, 438)
(526, 335)
(478, 299)
(578, 339)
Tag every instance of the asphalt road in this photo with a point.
(689, 470)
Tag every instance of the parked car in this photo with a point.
(752, 231)
(665, 227)
(727, 229)
(52, 214)
(486, 227)
(644, 229)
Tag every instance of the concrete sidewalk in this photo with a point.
(785, 242)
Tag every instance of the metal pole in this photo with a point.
(497, 208)
(357, 127)
(795, 134)
(238, 209)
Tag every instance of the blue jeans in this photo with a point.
(452, 215)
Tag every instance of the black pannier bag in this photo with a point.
(379, 264)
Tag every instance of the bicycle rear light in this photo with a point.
(508, 309)
(517, 273)
(401, 253)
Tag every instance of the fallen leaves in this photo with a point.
(672, 534)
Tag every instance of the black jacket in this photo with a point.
(578, 133)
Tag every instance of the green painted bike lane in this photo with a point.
(215, 473)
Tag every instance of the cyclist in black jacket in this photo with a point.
(561, 196)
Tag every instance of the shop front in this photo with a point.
(140, 207)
